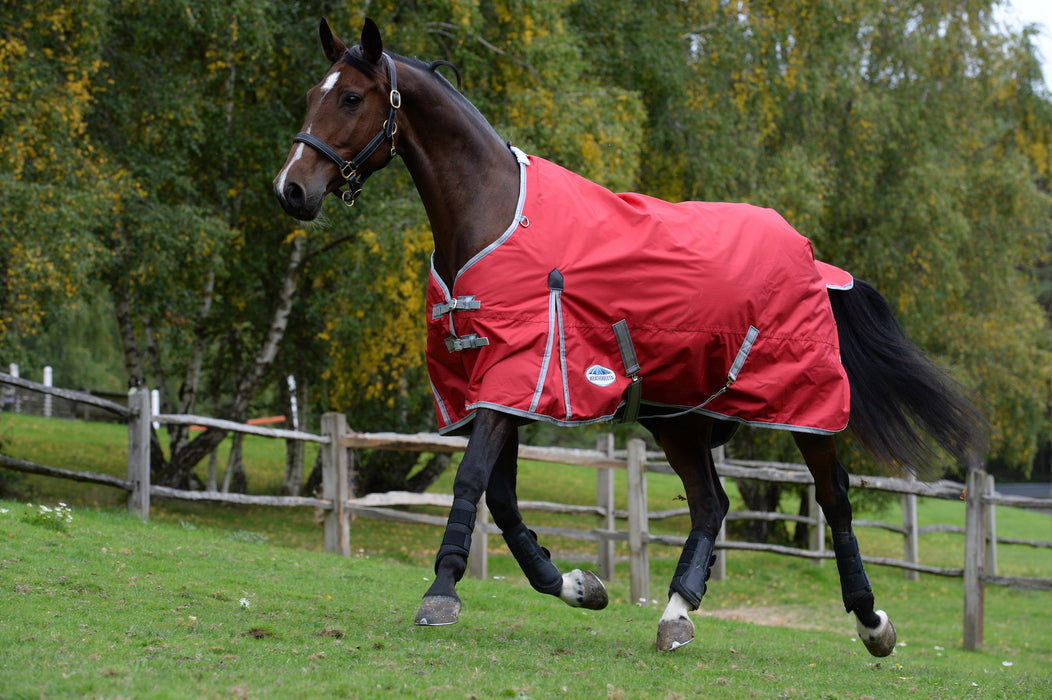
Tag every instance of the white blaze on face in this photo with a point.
(326, 87)
(329, 82)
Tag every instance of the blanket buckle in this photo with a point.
(466, 342)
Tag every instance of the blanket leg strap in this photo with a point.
(854, 582)
(459, 528)
(694, 567)
(534, 559)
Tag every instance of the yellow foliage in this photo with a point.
(371, 357)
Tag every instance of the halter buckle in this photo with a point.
(349, 172)
(349, 197)
(396, 99)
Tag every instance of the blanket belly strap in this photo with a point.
(634, 392)
(743, 354)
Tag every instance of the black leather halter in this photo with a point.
(350, 170)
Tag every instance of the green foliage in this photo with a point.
(50, 173)
(911, 141)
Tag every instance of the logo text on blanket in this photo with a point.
(599, 375)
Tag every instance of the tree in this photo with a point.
(55, 189)
(910, 141)
(190, 134)
(907, 140)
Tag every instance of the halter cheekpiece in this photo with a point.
(350, 170)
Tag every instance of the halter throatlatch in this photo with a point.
(351, 170)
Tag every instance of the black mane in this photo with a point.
(356, 59)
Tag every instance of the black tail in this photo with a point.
(899, 396)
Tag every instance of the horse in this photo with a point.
(850, 365)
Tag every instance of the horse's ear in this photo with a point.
(330, 43)
(372, 42)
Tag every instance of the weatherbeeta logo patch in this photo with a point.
(599, 375)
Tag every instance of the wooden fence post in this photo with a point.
(638, 526)
(16, 404)
(478, 557)
(335, 484)
(139, 452)
(605, 501)
(974, 550)
(49, 381)
(719, 569)
(991, 529)
(910, 540)
(816, 534)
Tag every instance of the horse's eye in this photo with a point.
(351, 100)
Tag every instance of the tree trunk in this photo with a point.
(179, 474)
(312, 487)
(129, 343)
(235, 481)
(178, 435)
(293, 468)
(760, 496)
(183, 462)
(293, 397)
(250, 382)
(136, 377)
(802, 532)
(210, 480)
(156, 365)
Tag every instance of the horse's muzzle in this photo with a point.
(296, 202)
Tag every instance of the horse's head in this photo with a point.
(350, 125)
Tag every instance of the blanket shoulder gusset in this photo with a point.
(528, 327)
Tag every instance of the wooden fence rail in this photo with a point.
(338, 503)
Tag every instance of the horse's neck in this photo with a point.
(467, 178)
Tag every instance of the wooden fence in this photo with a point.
(338, 503)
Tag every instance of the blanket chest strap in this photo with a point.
(469, 303)
(466, 342)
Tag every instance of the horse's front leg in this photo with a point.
(491, 433)
(686, 441)
(831, 485)
(579, 589)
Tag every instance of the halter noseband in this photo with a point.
(350, 169)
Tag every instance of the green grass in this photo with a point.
(120, 608)
(116, 607)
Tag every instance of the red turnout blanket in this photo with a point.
(713, 307)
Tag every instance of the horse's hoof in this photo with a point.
(879, 641)
(438, 610)
(674, 633)
(583, 589)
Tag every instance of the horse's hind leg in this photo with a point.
(831, 484)
(580, 589)
(686, 442)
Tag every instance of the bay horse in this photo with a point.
(816, 353)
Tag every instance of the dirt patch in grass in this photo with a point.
(794, 616)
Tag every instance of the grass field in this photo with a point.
(219, 601)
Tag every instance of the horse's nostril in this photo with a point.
(294, 196)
